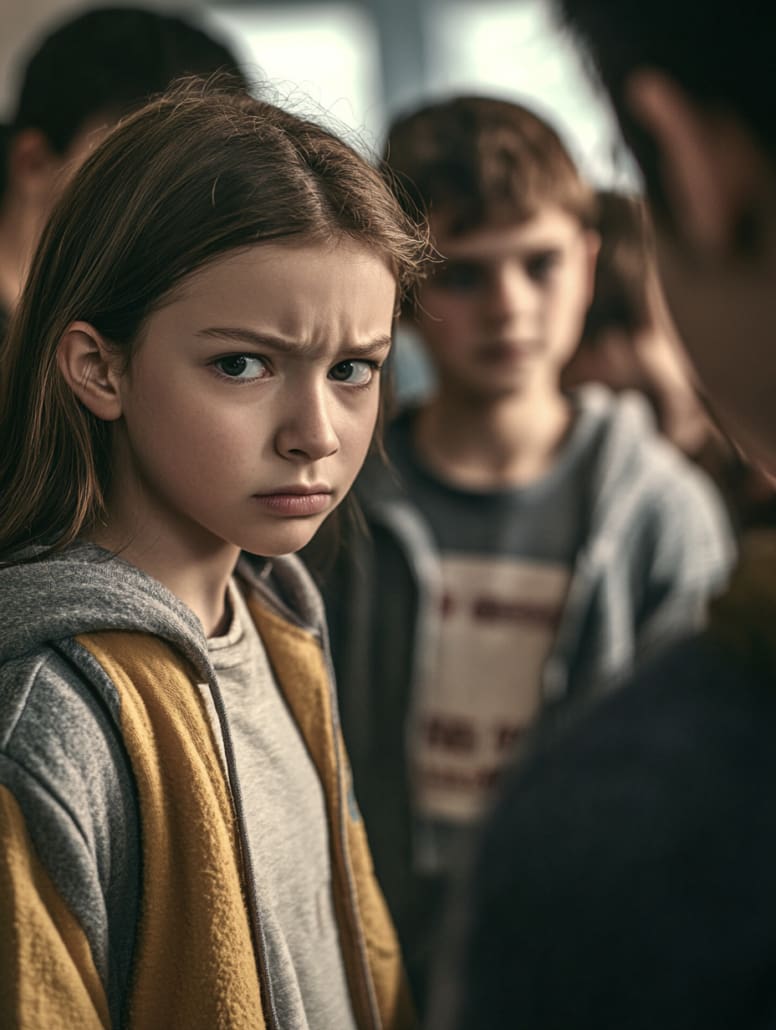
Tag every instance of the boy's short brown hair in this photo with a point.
(476, 161)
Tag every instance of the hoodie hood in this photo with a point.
(628, 452)
(85, 589)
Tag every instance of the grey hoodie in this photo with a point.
(658, 545)
(62, 756)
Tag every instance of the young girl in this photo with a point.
(193, 372)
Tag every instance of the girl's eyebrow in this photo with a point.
(238, 334)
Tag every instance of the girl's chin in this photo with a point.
(285, 540)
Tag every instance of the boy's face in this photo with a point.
(504, 312)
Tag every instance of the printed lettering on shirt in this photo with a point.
(499, 615)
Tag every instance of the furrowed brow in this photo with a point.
(239, 334)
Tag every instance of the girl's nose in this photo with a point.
(306, 431)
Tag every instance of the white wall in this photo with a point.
(515, 49)
(321, 60)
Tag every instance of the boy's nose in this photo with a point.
(306, 430)
(510, 294)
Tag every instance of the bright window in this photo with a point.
(320, 59)
(516, 50)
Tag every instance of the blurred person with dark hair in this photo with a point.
(630, 342)
(525, 546)
(626, 876)
(85, 74)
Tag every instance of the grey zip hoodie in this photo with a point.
(62, 756)
(659, 544)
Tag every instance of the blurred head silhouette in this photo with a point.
(692, 86)
(81, 78)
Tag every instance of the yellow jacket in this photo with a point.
(196, 961)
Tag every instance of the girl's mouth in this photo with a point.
(296, 501)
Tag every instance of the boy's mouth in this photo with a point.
(507, 351)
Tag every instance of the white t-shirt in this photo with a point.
(506, 560)
(288, 833)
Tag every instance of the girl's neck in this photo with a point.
(199, 581)
(492, 444)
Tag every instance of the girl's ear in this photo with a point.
(91, 370)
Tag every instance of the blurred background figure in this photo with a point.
(630, 342)
(80, 78)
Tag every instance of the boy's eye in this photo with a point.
(354, 373)
(460, 275)
(540, 266)
(244, 367)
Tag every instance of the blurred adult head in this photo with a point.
(629, 341)
(692, 86)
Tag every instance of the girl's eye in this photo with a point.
(245, 367)
(354, 373)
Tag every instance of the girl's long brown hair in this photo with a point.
(198, 172)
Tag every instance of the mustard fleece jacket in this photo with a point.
(126, 893)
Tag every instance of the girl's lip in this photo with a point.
(298, 489)
(295, 503)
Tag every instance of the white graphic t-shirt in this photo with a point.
(506, 560)
(498, 623)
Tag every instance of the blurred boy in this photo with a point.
(526, 546)
(626, 877)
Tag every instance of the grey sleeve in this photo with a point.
(62, 759)
(691, 551)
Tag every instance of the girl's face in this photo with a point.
(251, 399)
